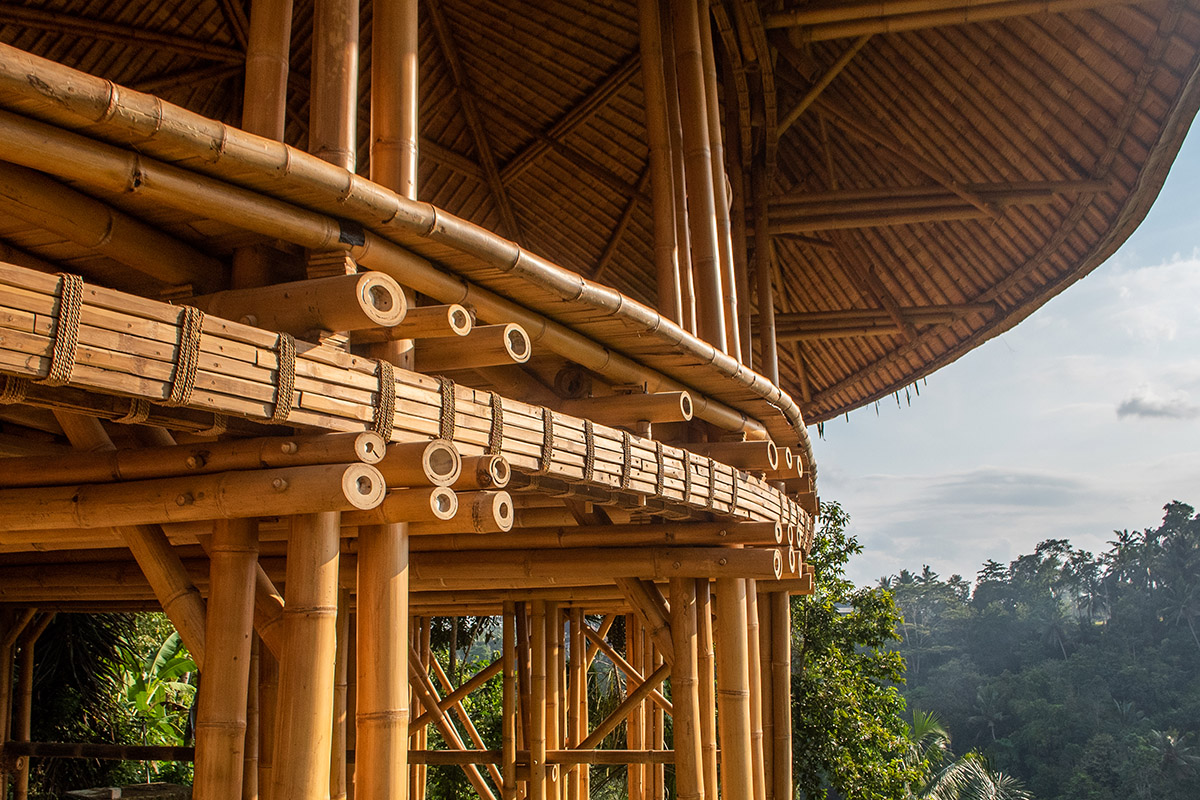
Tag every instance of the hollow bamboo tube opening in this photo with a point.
(482, 512)
(758, 456)
(221, 716)
(484, 346)
(424, 322)
(627, 410)
(429, 463)
(428, 505)
(382, 710)
(304, 723)
(483, 472)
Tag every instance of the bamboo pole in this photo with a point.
(341, 690)
(305, 720)
(221, 717)
(483, 472)
(163, 570)
(706, 674)
(483, 512)
(633, 674)
(683, 246)
(23, 715)
(484, 346)
(650, 608)
(658, 135)
(766, 693)
(621, 712)
(333, 101)
(632, 535)
(394, 76)
(733, 690)
(627, 410)
(739, 184)
(508, 703)
(382, 713)
(781, 679)
(455, 696)
(635, 725)
(429, 505)
(268, 708)
(712, 112)
(577, 717)
(754, 675)
(822, 83)
(762, 273)
(538, 788)
(554, 693)
(460, 710)
(424, 322)
(685, 693)
(429, 463)
(697, 153)
(250, 751)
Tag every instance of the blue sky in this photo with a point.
(1082, 419)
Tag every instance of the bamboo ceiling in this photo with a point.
(934, 183)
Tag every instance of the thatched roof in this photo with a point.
(948, 181)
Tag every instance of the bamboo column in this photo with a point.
(341, 691)
(382, 713)
(657, 772)
(716, 145)
(250, 753)
(685, 693)
(635, 728)
(351, 697)
(305, 721)
(754, 673)
(554, 702)
(538, 789)
(508, 703)
(658, 136)
(762, 275)
(268, 705)
(767, 694)
(781, 679)
(706, 673)
(164, 571)
(221, 716)
(737, 219)
(733, 690)
(683, 236)
(23, 716)
(333, 102)
(394, 131)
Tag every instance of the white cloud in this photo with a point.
(1146, 403)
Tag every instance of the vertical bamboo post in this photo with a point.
(524, 676)
(706, 674)
(685, 693)
(538, 789)
(762, 277)
(697, 153)
(733, 690)
(635, 727)
(508, 703)
(268, 706)
(426, 656)
(658, 136)
(11, 627)
(579, 696)
(767, 694)
(754, 673)
(712, 109)
(250, 755)
(394, 75)
(165, 573)
(341, 688)
(657, 773)
(221, 716)
(333, 102)
(683, 237)
(23, 716)
(352, 698)
(382, 705)
(737, 219)
(305, 720)
(553, 692)
(781, 678)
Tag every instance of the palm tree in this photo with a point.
(970, 777)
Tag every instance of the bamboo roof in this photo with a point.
(948, 178)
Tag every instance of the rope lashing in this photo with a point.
(626, 459)
(285, 349)
(446, 419)
(659, 477)
(139, 412)
(184, 380)
(589, 451)
(385, 401)
(496, 431)
(14, 391)
(66, 330)
(547, 441)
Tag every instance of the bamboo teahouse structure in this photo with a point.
(322, 320)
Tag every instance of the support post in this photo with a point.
(754, 674)
(508, 703)
(781, 678)
(685, 693)
(537, 701)
(733, 690)
(706, 673)
(394, 133)
(762, 277)
(23, 718)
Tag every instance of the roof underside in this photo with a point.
(950, 179)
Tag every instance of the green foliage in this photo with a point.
(1072, 672)
(849, 735)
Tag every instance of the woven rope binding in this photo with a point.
(285, 387)
(385, 401)
(184, 380)
(66, 330)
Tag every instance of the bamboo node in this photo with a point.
(66, 330)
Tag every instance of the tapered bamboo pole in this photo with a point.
(305, 720)
(250, 751)
(221, 716)
(733, 690)
(538, 789)
(754, 675)
(762, 276)
(394, 75)
(685, 693)
(683, 240)
(382, 714)
(658, 136)
(268, 707)
(781, 679)
(23, 716)
(702, 205)
(164, 571)
(333, 102)
(767, 694)
(739, 186)
(712, 113)
(341, 690)
(508, 703)
(706, 674)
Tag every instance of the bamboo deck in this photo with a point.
(320, 320)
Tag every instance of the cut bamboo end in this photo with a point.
(626, 410)
(485, 346)
(430, 463)
(424, 322)
(437, 503)
(483, 512)
(483, 472)
(760, 456)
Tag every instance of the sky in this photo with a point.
(1083, 419)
